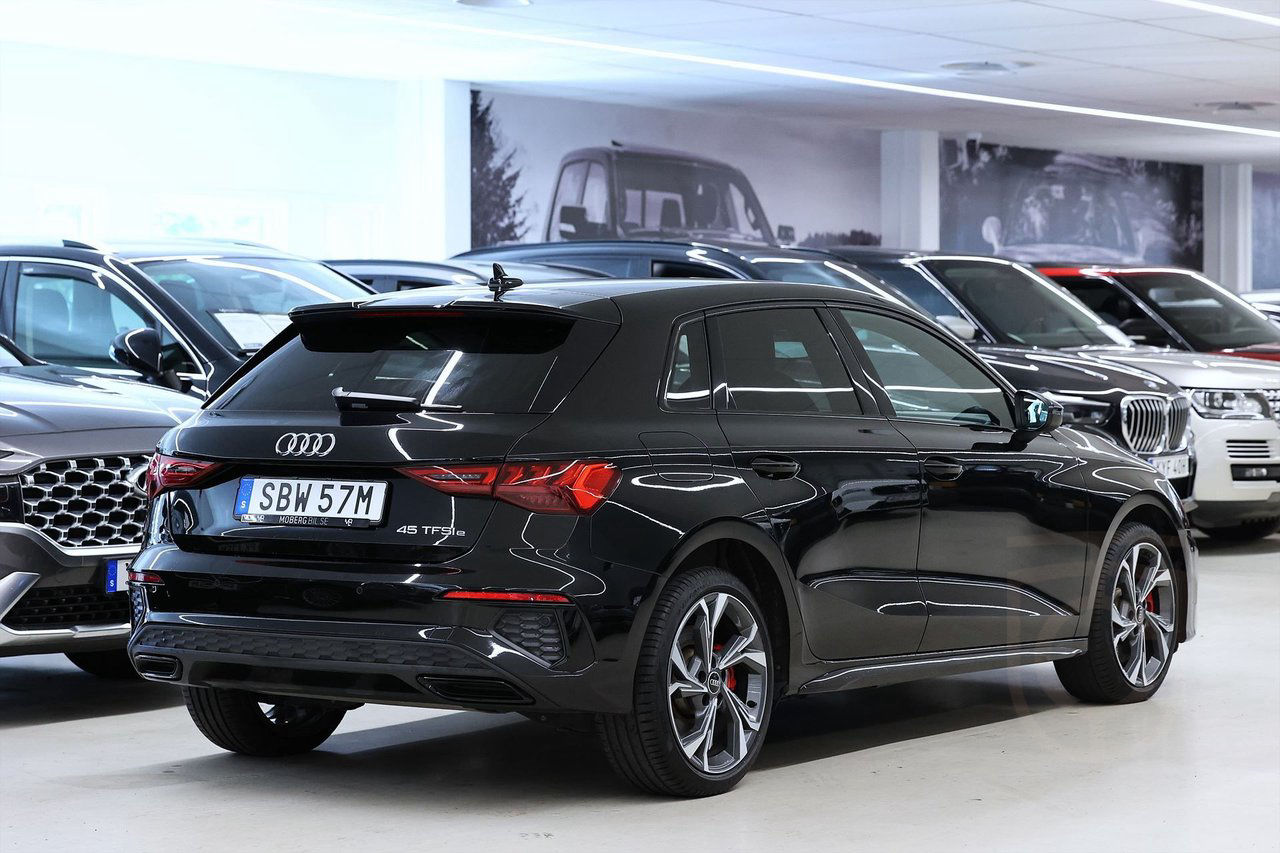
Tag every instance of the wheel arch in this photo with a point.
(752, 556)
(1153, 510)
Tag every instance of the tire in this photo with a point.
(114, 663)
(234, 720)
(673, 701)
(1135, 620)
(1246, 531)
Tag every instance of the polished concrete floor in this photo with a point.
(995, 761)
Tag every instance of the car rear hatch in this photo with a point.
(342, 440)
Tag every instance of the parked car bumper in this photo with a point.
(1237, 470)
(53, 599)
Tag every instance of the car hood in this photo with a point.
(1031, 369)
(1191, 369)
(1266, 352)
(46, 398)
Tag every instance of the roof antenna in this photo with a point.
(501, 282)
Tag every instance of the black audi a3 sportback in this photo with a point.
(656, 507)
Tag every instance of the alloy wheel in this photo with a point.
(1143, 614)
(717, 683)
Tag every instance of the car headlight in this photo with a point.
(1248, 405)
(1081, 411)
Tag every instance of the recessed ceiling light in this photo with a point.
(494, 4)
(1236, 106)
(982, 68)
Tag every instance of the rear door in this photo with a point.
(839, 487)
(1002, 539)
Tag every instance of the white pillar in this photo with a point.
(909, 189)
(1228, 224)
(433, 168)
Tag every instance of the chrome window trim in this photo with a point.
(143, 301)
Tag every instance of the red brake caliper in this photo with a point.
(730, 677)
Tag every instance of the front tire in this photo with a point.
(1246, 531)
(1133, 632)
(237, 721)
(704, 690)
(114, 664)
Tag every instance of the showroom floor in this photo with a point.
(1002, 760)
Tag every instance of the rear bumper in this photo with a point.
(33, 565)
(440, 666)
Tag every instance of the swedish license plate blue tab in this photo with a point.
(242, 496)
(118, 575)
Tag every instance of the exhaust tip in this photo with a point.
(158, 666)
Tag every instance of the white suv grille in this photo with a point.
(1154, 424)
(87, 502)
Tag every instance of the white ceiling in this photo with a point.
(1135, 56)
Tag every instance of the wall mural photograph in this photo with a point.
(1034, 204)
(552, 169)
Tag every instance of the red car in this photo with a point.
(1167, 306)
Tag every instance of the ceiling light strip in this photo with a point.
(1215, 9)
(822, 76)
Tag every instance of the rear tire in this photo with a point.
(235, 721)
(1134, 628)
(704, 690)
(1246, 531)
(114, 663)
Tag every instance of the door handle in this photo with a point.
(943, 468)
(775, 467)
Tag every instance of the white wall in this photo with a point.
(105, 146)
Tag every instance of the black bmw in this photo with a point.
(656, 507)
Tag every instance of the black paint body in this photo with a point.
(867, 568)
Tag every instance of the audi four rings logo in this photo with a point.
(305, 444)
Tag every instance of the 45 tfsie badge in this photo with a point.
(429, 530)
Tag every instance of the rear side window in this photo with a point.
(501, 363)
(782, 360)
(688, 384)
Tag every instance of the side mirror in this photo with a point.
(1144, 330)
(993, 232)
(958, 326)
(573, 219)
(1035, 413)
(139, 350)
(786, 234)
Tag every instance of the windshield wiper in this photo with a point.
(367, 401)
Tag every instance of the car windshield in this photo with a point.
(1205, 314)
(1020, 307)
(661, 196)
(915, 283)
(243, 302)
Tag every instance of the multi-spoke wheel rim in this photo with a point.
(717, 681)
(1143, 614)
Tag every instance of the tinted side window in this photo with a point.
(680, 269)
(783, 360)
(924, 376)
(689, 380)
(617, 266)
(69, 315)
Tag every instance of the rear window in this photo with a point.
(501, 363)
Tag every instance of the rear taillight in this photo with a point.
(570, 487)
(170, 472)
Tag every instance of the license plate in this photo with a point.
(1172, 467)
(320, 503)
(118, 575)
